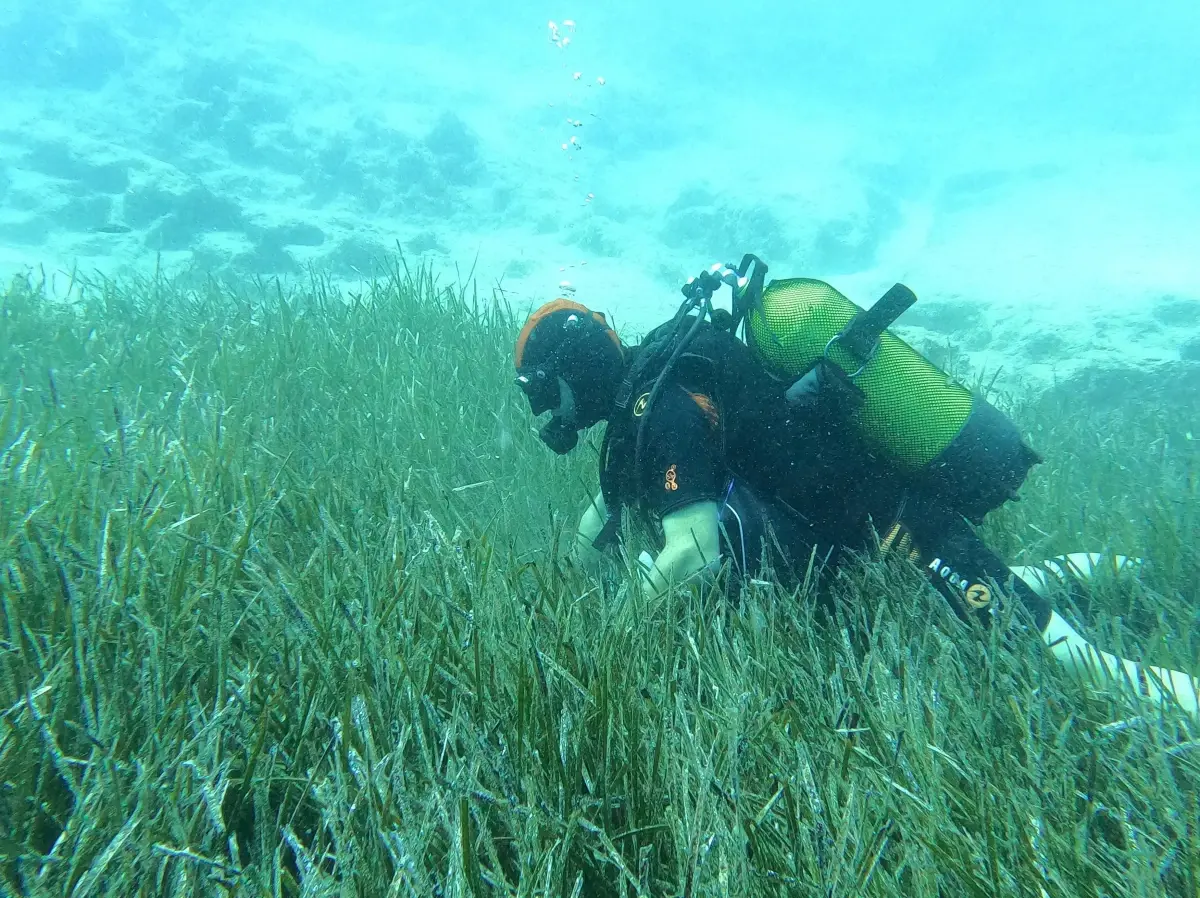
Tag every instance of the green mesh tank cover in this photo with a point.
(912, 410)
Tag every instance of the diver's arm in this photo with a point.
(961, 552)
(590, 525)
(1088, 664)
(692, 546)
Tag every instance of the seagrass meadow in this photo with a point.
(285, 610)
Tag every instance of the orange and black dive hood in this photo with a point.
(569, 362)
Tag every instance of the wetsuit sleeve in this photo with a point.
(683, 459)
(960, 564)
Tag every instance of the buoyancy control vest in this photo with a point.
(718, 365)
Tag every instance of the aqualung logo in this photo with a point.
(977, 595)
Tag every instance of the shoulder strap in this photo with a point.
(611, 484)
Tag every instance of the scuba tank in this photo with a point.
(840, 358)
(835, 359)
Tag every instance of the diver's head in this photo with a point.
(569, 363)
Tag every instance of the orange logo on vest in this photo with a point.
(670, 483)
(706, 406)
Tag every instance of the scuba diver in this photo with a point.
(814, 434)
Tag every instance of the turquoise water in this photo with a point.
(282, 606)
(1027, 168)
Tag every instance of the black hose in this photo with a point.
(705, 302)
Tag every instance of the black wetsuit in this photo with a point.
(721, 430)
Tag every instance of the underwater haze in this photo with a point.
(288, 600)
(1030, 170)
